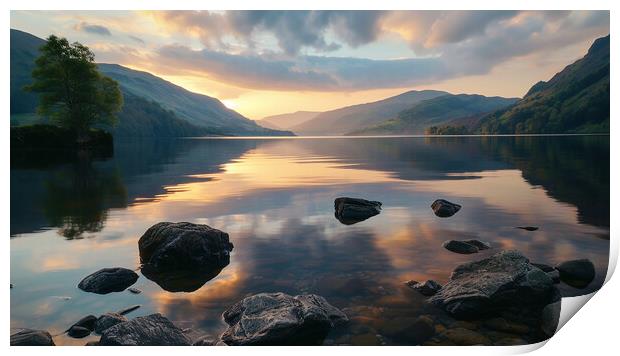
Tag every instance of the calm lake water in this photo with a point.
(74, 214)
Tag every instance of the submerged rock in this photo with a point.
(528, 228)
(108, 280)
(31, 337)
(577, 273)
(550, 318)
(353, 210)
(460, 247)
(78, 331)
(150, 330)
(489, 285)
(465, 337)
(184, 246)
(87, 322)
(107, 321)
(544, 267)
(134, 290)
(129, 309)
(444, 208)
(426, 288)
(180, 280)
(481, 245)
(280, 319)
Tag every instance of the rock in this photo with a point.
(87, 322)
(501, 324)
(280, 319)
(550, 318)
(460, 247)
(108, 320)
(444, 208)
(353, 210)
(554, 275)
(510, 341)
(170, 246)
(427, 288)
(129, 310)
(543, 267)
(577, 273)
(528, 228)
(150, 330)
(30, 337)
(92, 343)
(134, 290)
(108, 280)
(78, 332)
(465, 337)
(206, 340)
(180, 280)
(492, 284)
(481, 245)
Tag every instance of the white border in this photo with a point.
(590, 331)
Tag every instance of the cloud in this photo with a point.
(94, 29)
(136, 39)
(312, 50)
(292, 30)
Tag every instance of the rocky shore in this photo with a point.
(503, 299)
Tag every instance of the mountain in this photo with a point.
(575, 100)
(176, 109)
(351, 118)
(436, 111)
(288, 120)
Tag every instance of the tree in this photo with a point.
(73, 94)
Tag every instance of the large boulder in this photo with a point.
(184, 246)
(353, 210)
(577, 273)
(107, 321)
(280, 319)
(489, 285)
(108, 280)
(150, 330)
(444, 209)
(30, 337)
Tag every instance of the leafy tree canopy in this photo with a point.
(72, 92)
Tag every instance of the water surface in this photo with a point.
(75, 214)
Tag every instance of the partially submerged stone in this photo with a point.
(78, 332)
(184, 246)
(150, 330)
(107, 321)
(31, 337)
(528, 228)
(460, 247)
(353, 210)
(486, 286)
(108, 280)
(577, 273)
(427, 288)
(444, 209)
(280, 319)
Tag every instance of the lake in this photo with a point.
(72, 214)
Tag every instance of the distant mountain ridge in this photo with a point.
(351, 118)
(287, 120)
(436, 111)
(575, 100)
(172, 109)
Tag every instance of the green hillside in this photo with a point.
(576, 100)
(153, 107)
(436, 111)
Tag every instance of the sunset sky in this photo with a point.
(263, 63)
